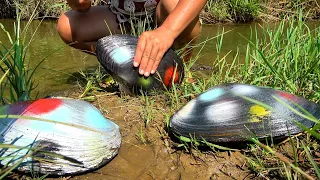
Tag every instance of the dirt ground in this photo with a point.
(149, 152)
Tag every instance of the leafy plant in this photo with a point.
(243, 10)
(19, 80)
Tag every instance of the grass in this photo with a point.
(19, 79)
(285, 57)
(39, 9)
(215, 11)
(243, 11)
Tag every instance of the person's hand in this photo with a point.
(150, 49)
(80, 5)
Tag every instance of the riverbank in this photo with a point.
(215, 11)
(149, 151)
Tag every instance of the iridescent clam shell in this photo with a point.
(76, 130)
(116, 54)
(224, 113)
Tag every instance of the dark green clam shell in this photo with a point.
(227, 113)
(116, 54)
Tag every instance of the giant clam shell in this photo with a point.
(116, 54)
(76, 130)
(223, 114)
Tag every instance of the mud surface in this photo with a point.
(147, 152)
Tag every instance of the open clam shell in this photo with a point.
(225, 113)
(68, 127)
(116, 54)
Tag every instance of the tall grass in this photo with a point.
(244, 10)
(39, 9)
(19, 81)
(284, 57)
(230, 10)
(19, 84)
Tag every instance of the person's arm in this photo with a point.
(80, 5)
(153, 44)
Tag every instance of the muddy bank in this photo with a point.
(149, 152)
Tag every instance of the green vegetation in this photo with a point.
(257, 10)
(18, 79)
(214, 11)
(37, 9)
(286, 57)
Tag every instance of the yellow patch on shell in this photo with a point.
(258, 113)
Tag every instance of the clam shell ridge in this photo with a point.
(223, 114)
(91, 141)
(116, 55)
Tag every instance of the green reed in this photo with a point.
(284, 57)
(18, 81)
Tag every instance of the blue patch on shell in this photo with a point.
(121, 55)
(211, 94)
(98, 120)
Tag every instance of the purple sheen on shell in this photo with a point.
(225, 114)
(116, 54)
(72, 128)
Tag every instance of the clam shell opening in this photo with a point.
(116, 54)
(228, 112)
(74, 129)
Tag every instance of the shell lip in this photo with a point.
(221, 132)
(236, 136)
(59, 173)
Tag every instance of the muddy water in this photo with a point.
(59, 71)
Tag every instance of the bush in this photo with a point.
(243, 10)
(45, 8)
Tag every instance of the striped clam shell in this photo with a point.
(116, 54)
(69, 127)
(225, 113)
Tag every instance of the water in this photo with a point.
(59, 71)
(64, 62)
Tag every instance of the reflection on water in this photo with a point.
(63, 62)
(235, 39)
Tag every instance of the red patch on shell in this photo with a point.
(168, 76)
(42, 106)
(288, 96)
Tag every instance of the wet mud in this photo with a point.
(147, 152)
